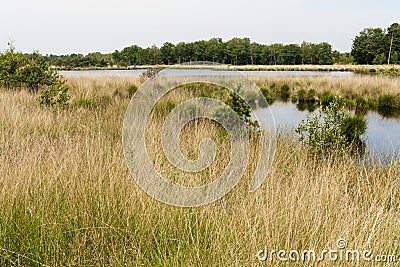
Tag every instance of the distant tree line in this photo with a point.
(237, 51)
(377, 46)
(370, 46)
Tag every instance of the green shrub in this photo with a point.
(54, 95)
(242, 109)
(37, 73)
(388, 101)
(190, 111)
(21, 71)
(307, 96)
(353, 127)
(273, 86)
(34, 73)
(262, 101)
(389, 72)
(361, 106)
(224, 115)
(388, 112)
(388, 106)
(268, 95)
(371, 103)
(331, 130)
(132, 90)
(312, 95)
(301, 95)
(285, 92)
(11, 63)
(326, 98)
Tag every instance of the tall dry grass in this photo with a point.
(68, 199)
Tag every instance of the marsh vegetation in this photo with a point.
(360, 93)
(68, 197)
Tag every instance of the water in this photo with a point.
(382, 136)
(137, 72)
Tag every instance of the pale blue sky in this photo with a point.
(82, 26)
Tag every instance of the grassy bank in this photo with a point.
(361, 92)
(68, 199)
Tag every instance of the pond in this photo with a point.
(382, 136)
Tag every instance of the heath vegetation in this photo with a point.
(68, 198)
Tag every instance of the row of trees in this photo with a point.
(238, 51)
(81, 61)
(370, 46)
(377, 46)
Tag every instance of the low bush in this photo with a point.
(132, 90)
(326, 98)
(285, 92)
(331, 130)
(268, 94)
(388, 101)
(55, 95)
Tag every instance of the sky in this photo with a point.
(84, 26)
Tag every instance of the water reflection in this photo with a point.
(388, 112)
(306, 106)
(382, 138)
